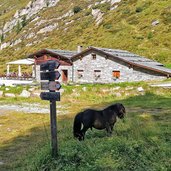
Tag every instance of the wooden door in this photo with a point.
(64, 76)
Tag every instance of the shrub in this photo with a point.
(76, 9)
(2, 37)
(150, 35)
(23, 22)
(18, 27)
(139, 9)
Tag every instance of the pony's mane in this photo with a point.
(113, 106)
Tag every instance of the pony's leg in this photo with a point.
(111, 126)
(108, 129)
(84, 131)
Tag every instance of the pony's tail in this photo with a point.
(77, 126)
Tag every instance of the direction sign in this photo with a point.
(55, 96)
(51, 75)
(52, 85)
(49, 65)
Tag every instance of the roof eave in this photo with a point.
(46, 51)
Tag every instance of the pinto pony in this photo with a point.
(102, 119)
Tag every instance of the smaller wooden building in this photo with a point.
(62, 56)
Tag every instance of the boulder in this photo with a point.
(140, 89)
(25, 93)
(9, 95)
(118, 94)
(115, 1)
(97, 15)
(61, 91)
(84, 88)
(155, 22)
(1, 162)
(1, 93)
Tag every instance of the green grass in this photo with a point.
(137, 142)
(124, 28)
(168, 65)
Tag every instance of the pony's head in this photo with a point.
(79, 136)
(120, 110)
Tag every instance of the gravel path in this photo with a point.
(30, 108)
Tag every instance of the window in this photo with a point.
(80, 73)
(97, 74)
(116, 74)
(93, 56)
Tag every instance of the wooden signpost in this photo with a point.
(49, 73)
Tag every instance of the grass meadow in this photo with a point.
(141, 141)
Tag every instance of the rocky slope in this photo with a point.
(143, 27)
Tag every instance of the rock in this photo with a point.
(140, 89)
(118, 94)
(90, 6)
(129, 88)
(97, 3)
(115, 1)
(32, 8)
(74, 90)
(4, 45)
(31, 89)
(155, 22)
(29, 44)
(1, 93)
(1, 163)
(61, 91)
(76, 94)
(25, 93)
(30, 35)
(40, 22)
(116, 88)
(47, 29)
(84, 88)
(9, 95)
(16, 15)
(97, 15)
(35, 94)
(15, 42)
(113, 8)
(105, 90)
(104, 1)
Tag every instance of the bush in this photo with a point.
(150, 35)
(139, 9)
(76, 9)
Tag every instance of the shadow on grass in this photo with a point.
(15, 153)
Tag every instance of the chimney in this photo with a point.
(79, 49)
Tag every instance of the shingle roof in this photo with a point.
(136, 59)
(65, 53)
(131, 57)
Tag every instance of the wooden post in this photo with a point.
(53, 123)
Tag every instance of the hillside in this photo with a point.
(142, 27)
